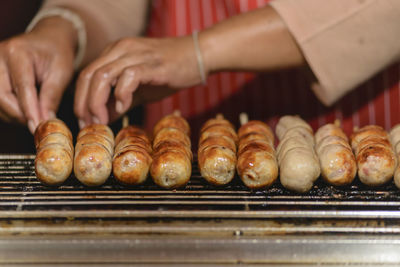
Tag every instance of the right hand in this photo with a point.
(43, 57)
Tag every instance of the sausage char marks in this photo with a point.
(256, 164)
(172, 155)
(298, 162)
(395, 140)
(338, 164)
(55, 152)
(173, 120)
(94, 151)
(376, 160)
(132, 156)
(217, 151)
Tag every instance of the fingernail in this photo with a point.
(119, 107)
(82, 124)
(52, 114)
(96, 120)
(31, 126)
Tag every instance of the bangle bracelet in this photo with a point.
(200, 64)
(72, 17)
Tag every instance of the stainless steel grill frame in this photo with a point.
(198, 224)
(23, 196)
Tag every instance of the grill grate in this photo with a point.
(23, 196)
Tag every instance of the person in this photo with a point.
(331, 40)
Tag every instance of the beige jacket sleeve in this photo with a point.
(106, 20)
(345, 42)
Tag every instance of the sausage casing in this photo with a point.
(256, 164)
(93, 154)
(55, 152)
(172, 156)
(132, 157)
(338, 164)
(217, 151)
(395, 140)
(298, 162)
(376, 160)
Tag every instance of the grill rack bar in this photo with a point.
(23, 196)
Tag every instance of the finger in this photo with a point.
(53, 87)
(126, 86)
(8, 102)
(82, 89)
(23, 81)
(100, 87)
(107, 49)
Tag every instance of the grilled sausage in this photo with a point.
(366, 131)
(94, 151)
(338, 164)
(132, 156)
(218, 120)
(54, 157)
(172, 121)
(395, 140)
(172, 156)
(298, 162)
(287, 122)
(171, 168)
(256, 165)
(255, 126)
(131, 131)
(218, 130)
(376, 160)
(217, 151)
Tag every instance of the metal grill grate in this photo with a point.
(23, 196)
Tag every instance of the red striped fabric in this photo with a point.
(264, 96)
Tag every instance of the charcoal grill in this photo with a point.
(197, 224)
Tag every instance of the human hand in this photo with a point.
(162, 65)
(42, 57)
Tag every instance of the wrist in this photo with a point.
(57, 29)
(63, 19)
(210, 45)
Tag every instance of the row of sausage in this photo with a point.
(299, 159)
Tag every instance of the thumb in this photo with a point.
(52, 89)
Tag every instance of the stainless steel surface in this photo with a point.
(285, 250)
(199, 224)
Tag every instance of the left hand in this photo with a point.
(167, 64)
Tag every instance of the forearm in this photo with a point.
(254, 41)
(105, 21)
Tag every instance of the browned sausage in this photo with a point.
(172, 157)
(93, 154)
(217, 151)
(132, 158)
(338, 164)
(376, 160)
(259, 127)
(256, 165)
(131, 131)
(172, 121)
(54, 157)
